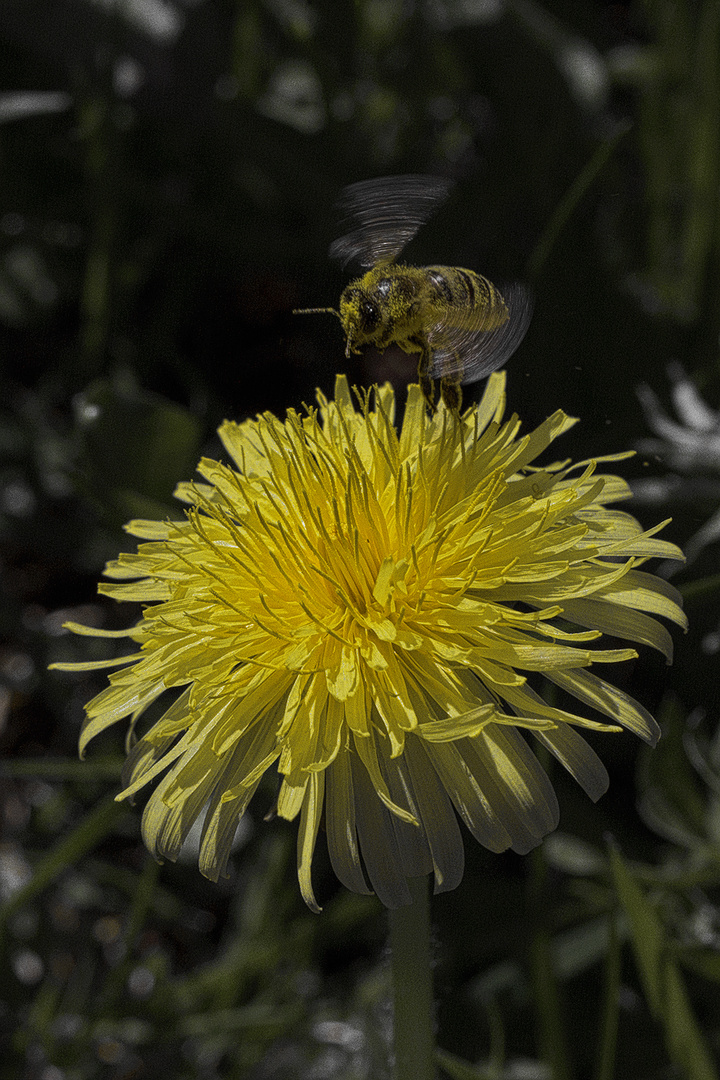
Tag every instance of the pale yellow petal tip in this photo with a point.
(306, 891)
(97, 631)
(363, 607)
(494, 398)
(342, 391)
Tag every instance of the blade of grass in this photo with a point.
(611, 1004)
(93, 828)
(64, 768)
(570, 201)
(661, 978)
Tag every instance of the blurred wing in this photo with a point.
(385, 214)
(468, 352)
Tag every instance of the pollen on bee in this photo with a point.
(457, 322)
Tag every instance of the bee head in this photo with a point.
(360, 316)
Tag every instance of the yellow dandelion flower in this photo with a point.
(360, 609)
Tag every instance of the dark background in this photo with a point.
(168, 170)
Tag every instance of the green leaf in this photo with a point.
(574, 856)
(672, 795)
(137, 445)
(580, 947)
(662, 981)
(457, 1069)
(93, 828)
(702, 961)
(702, 589)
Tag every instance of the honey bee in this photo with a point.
(458, 322)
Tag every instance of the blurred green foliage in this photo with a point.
(167, 171)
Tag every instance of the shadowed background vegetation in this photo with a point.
(167, 175)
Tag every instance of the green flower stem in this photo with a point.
(546, 993)
(611, 1004)
(414, 1023)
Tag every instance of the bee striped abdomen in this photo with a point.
(460, 326)
(454, 287)
(470, 297)
(443, 289)
(466, 278)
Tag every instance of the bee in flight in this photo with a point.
(458, 322)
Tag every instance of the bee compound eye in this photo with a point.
(369, 313)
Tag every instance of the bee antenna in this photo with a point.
(316, 311)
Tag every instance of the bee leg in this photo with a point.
(451, 393)
(428, 391)
(426, 384)
(450, 390)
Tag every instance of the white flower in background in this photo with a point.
(690, 446)
(693, 445)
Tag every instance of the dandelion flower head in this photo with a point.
(363, 611)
